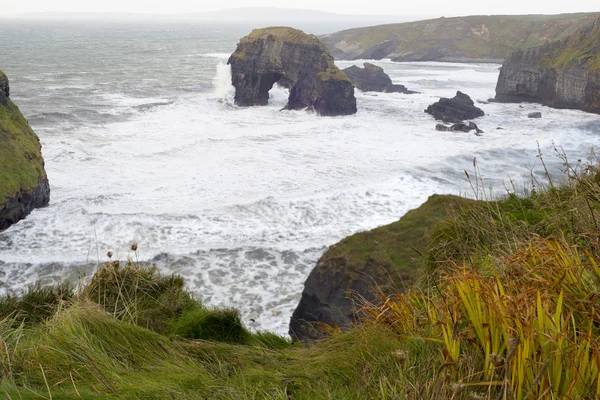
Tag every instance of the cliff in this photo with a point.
(384, 257)
(564, 74)
(23, 182)
(460, 39)
(295, 60)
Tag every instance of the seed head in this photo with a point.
(134, 247)
(109, 254)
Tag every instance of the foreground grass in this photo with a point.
(509, 309)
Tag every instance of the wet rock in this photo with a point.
(372, 78)
(459, 127)
(295, 60)
(536, 114)
(454, 110)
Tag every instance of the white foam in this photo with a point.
(206, 182)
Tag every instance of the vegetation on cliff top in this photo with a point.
(581, 48)
(21, 162)
(472, 37)
(509, 311)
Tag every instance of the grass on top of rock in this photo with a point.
(21, 162)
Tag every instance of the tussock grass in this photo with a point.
(509, 311)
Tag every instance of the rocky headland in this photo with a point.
(460, 39)
(299, 62)
(372, 78)
(564, 74)
(22, 174)
(386, 257)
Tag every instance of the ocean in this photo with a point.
(144, 145)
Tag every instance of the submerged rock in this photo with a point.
(298, 61)
(384, 257)
(536, 114)
(372, 78)
(23, 185)
(459, 127)
(564, 74)
(456, 109)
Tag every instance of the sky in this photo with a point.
(358, 7)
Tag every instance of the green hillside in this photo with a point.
(471, 38)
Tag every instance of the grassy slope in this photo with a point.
(511, 313)
(391, 252)
(473, 36)
(21, 162)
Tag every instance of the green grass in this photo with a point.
(477, 37)
(21, 162)
(508, 310)
(392, 253)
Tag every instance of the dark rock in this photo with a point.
(24, 202)
(299, 62)
(536, 114)
(459, 127)
(371, 78)
(384, 257)
(24, 184)
(4, 89)
(563, 74)
(455, 110)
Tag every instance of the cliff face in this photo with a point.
(459, 39)
(295, 60)
(564, 74)
(384, 257)
(23, 182)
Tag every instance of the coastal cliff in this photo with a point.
(386, 257)
(564, 74)
(295, 60)
(477, 38)
(23, 182)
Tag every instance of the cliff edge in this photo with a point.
(23, 181)
(299, 62)
(564, 74)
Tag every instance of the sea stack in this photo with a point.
(23, 181)
(295, 60)
(563, 74)
(372, 78)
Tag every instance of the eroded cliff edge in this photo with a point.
(23, 181)
(298, 61)
(564, 74)
(386, 257)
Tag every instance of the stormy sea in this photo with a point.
(143, 145)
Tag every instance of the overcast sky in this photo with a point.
(379, 7)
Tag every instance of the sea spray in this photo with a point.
(223, 89)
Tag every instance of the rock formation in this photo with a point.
(23, 182)
(385, 257)
(564, 74)
(371, 78)
(459, 127)
(454, 110)
(476, 38)
(295, 60)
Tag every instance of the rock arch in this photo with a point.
(295, 60)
